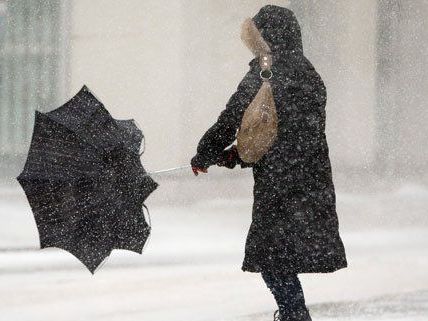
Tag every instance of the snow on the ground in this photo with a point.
(411, 306)
(190, 269)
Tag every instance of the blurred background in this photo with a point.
(172, 66)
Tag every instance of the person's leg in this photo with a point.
(288, 294)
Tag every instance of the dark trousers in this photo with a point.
(288, 294)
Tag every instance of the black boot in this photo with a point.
(296, 316)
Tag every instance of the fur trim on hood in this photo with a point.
(253, 39)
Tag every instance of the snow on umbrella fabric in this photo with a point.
(84, 181)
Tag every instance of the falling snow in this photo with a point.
(339, 185)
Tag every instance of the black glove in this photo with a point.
(229, 158)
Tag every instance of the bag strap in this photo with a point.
(265, 61)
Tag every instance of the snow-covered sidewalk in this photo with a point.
(385, 281)
(411, 306)
(190, 269)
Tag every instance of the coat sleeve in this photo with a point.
(223, 132)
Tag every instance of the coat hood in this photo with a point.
(279, 28)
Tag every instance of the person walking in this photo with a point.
(294, 226)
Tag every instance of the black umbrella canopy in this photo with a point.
(84, 181)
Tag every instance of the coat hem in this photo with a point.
(299, 271)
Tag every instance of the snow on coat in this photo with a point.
(294, 225)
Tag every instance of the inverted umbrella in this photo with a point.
(84, 181)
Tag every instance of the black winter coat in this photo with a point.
(294, 225)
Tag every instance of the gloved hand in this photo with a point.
(199, 165)
(197, 170)
(229, 158)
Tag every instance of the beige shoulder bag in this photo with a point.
(259, 126)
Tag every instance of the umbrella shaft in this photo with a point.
(169, 170)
